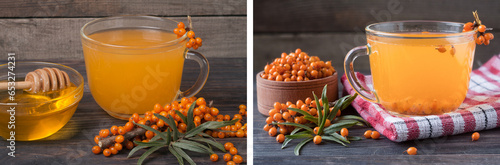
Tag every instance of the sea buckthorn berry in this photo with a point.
(96, 139)
(96, 150)
(221, 135)
(119, 139)
(468, 26)
(242, 112)
(317, 139)
(375, 135)
(227, 117)
(230, 163)
(122, 130)
(113, 150)
(105, 133)
(228, 145)
(182, 32)
(283, 130)
(272, 131)
(287, 116)
(411, 151)
(240, 133)
(480, 40)
(233, 150)
(114, 130)
(214, 111)
(199, 41)
(277, 106)
(316, 129)
(128, 127)
(368, 134)
(267, 127)
(180, 25)
(277, 117)
(328, 123)
(106, 152)
(214, 157)
(129, 145)
(208, 117)
(242, 106)
(237, 159)
(238, 116)
(488, 36)
(272, 112)
(441, 49)
(161, 123)
(157, 108)
(227, 157)
(481, 28)
(118, 146)
(475, 136)
(149, 134)
(298, 120)
(344, 132)
(191, 34)
(280, 138)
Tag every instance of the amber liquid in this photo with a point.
(38, 115)
(124, 81)
(411, 76)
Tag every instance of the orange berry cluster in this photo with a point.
(231, 158)
(193, 42)
(281, 114)
(297, 66)
(201, 113)
(236, 130)
(371, 134)
(484, 38)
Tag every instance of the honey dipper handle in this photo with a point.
(18, 85)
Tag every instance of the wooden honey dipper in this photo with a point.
(42, 80)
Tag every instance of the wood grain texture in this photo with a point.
(59, 38)
(457, 149)
(72, 144)
(333, 46)
(354, 15)
(91, 8)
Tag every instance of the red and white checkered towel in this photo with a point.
(479, 111)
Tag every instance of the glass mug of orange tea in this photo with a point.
(134, 62)
(418, 67)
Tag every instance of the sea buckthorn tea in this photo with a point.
(135, 63)
(418, 68)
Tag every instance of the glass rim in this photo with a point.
(369, 30)
(70, 94)
(154, 46)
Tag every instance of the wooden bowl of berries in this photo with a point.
(294, 76)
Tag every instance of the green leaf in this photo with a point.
(340, 137)
(300, 111)
(296, 151)
(190, 118)
(135, 149)
(190, 147)
(209, 125)
(150, 144)
(348, 101)
(295, 130)
(320, 112)
(339, 125)
(147, 153)
(168, 136)
(179, 157)
(197, 144)
(184, 155)
(158, 133)
(211, 142)
(183, 118)
(336, 107)
(354, 138)
(353, 117)
(326, 137)
(287, 140)
(312, 119)
(299, 136)
(294, 124)
(171, 123)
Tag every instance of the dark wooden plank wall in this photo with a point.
(329, 29)
(55, 25)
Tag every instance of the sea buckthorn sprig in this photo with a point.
(193, 42)
(297, 66)
(481, 37)
(194, 121)
(312, 120)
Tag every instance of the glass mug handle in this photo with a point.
(202, 77)
(354, 53)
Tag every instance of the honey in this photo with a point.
(131, 69)
(421, 76)
(38, 115)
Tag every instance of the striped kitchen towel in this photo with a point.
(479, 111)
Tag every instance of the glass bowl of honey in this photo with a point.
(27, 115)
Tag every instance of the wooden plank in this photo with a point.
(90, 8)
(72, 144)
(58, 38)
(456, 149)
(333, 46)
(349, 15)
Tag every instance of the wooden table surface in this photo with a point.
(72, 144)
(457, 149)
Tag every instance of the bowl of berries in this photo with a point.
(294, 76)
